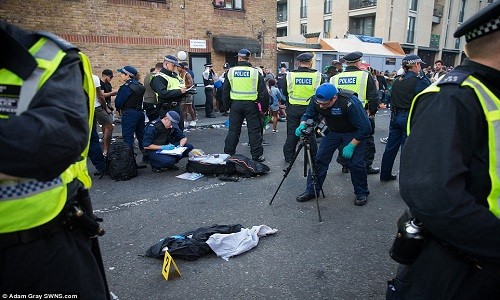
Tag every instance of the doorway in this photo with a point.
(197, 63)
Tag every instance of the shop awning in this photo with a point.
(235, 43)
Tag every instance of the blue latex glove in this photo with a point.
(298, 132)
(167, 147)
(348, 150)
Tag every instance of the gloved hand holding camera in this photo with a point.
(298, 131)
(167, 147)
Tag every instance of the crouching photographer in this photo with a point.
(349, 125)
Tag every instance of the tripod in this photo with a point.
(308, 165)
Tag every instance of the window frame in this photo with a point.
(410, 30)
(229, 4)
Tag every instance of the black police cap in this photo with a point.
(305, 56)
(353, 56)
(484, 22)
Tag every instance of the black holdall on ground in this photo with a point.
(247, 167)
(121, 161)
(210, 165)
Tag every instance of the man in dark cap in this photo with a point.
(361, 83)
(300, 85)
(242, 92)
(450, 178)
(348, 123)
(169, 87)
(404, 89)
(209, 79)
(164, 134)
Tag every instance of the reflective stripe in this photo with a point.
(46, 52)
(491, 108)
(28, 203)
(21, 189)
(171, 84)
(359, 87)
(299, 94)
(243, 88)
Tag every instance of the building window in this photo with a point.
(282, 12)
(229, 4)
(303, 9)
(413, 4)
(158, 1)
(327, 7)
(457, 43)
(362, 26)
(462, 12)
(303, 28)
(410, 30)
(281, 31)
(327, 26)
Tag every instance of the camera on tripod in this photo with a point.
(310, 126)
(320, 129)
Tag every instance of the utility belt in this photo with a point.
(395, 110)
(77, 213)
(133, 108)
(168, 105)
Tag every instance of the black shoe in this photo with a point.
(305, 197)
(288, 160)
(210, 116)
(260, 158)
(360, 200)
(345, 169)
(371, 170)
(99, 173)
(393, 177)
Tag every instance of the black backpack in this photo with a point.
(247, 167)
(121, 161)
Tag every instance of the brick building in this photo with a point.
(114, 33)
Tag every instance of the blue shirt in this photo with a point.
(355, 113)
(174, 135)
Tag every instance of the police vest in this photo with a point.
(301, 86)
(135, 99)
(244, 81)
(173, 83)
(336, 117)
(27, 203)
(491, 106)
(162, 136)
(355, 81)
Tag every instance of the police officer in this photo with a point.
(209, 79)
(404, 90)
(169, 87)
(361, 83)
(164, 134)
(348, 123)
(47, 107)
(129, 101)
(243, 89)
(450, 177)
(150, 103)
(300, 85)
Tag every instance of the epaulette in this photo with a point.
(456, 76)
(62, 43)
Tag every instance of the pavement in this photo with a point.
(345, 256)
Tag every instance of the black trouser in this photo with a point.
(241, 110)
(293, 115)
(152, 111)
(369, 154)
(177, 108)
(209, 101)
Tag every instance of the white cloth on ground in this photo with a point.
(232, 244)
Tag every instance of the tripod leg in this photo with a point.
(287, 170)
(313, 179)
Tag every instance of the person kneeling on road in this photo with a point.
(349, 126)
(164, 134)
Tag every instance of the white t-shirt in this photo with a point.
(97, 83)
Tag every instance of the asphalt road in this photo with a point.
(343, 257)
